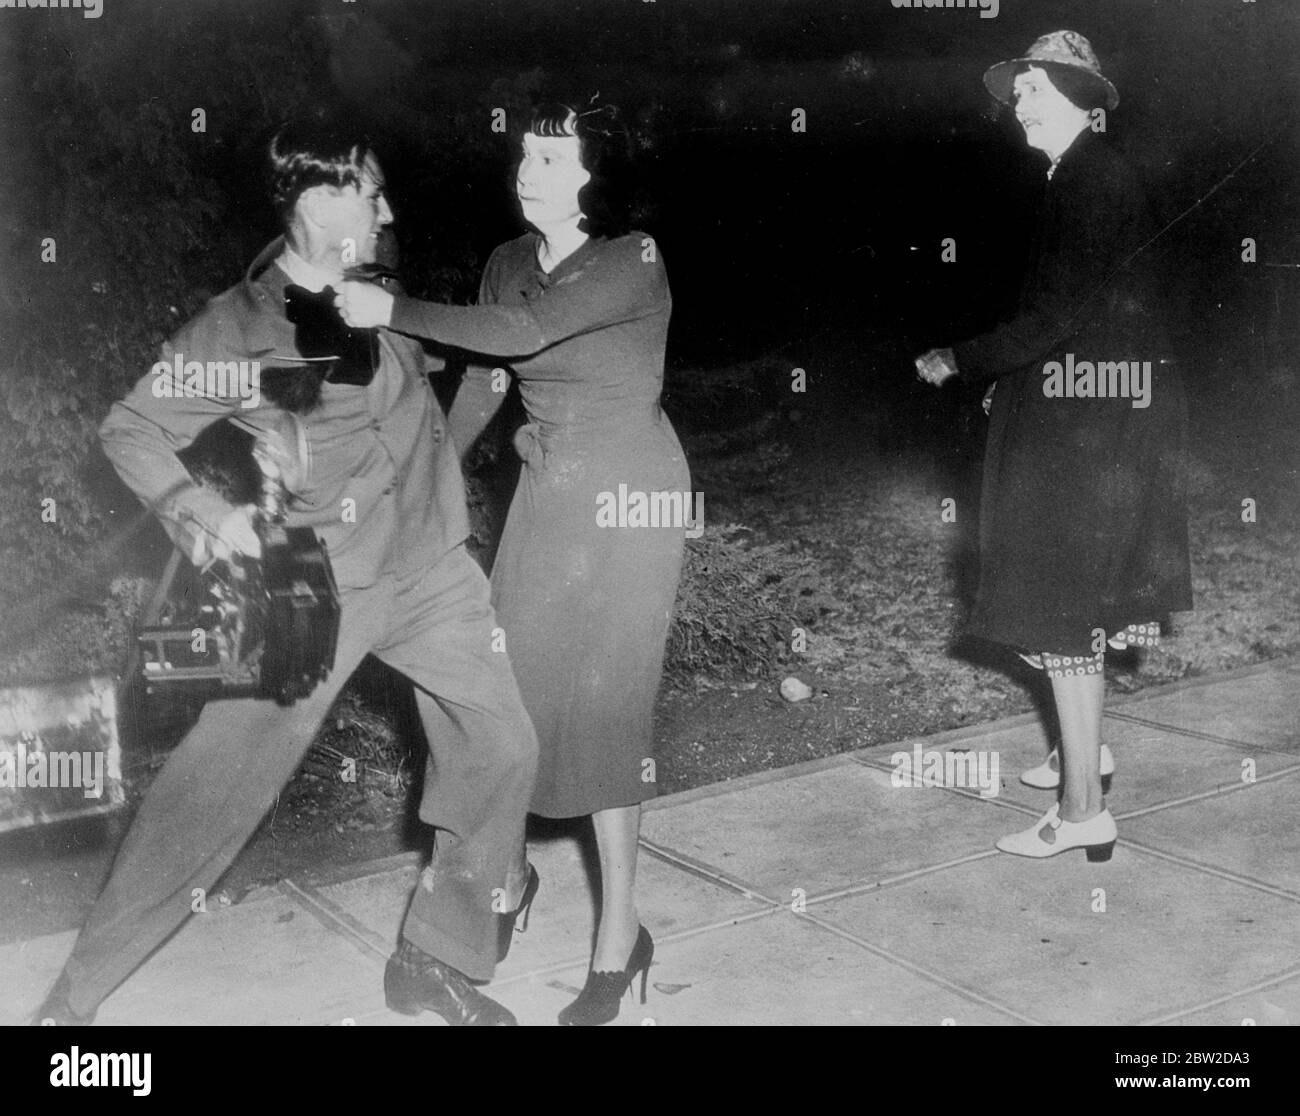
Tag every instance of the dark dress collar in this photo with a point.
(570, 262)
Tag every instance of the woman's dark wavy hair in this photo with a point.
(315, 151)
(612, 203)
(1077, 86)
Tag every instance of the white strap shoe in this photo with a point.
(1047, 775)
(1096, 835)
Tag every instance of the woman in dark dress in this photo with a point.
(1083, 526)
(586, 574)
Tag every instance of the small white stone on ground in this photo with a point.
(794, 690)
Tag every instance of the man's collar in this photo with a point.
(268, 334)
(306, 274)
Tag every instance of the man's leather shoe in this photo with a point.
(414, 981)
(57, 1012)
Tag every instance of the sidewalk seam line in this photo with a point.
(1213, 870)
(1271, 982)
(918, 970)
(715, 875)
(1214, 792)
(335, 918)
(705, 871)
(1197, 734)
(854, 890)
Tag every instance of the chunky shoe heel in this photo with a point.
(1099, 854)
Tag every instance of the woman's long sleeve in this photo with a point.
(481, 392)
(623, 283)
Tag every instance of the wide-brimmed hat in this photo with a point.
(1059, 48)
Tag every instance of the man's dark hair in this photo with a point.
(611, 203)
(1077, 86)
(313, 152)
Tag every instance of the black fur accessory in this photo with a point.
(338, 354)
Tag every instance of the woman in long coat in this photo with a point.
(1083, 525)
(586, 573)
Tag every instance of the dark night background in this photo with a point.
(769, 235)
(819, 250)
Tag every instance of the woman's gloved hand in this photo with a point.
(936, 366)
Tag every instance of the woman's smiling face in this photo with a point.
(549, 177)
(1050, 119)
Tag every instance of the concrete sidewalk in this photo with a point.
(823, 894)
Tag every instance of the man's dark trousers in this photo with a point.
(435, 626)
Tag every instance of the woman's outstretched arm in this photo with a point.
(625, 281)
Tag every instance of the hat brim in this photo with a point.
(1000, 79)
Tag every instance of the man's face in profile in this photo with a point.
(351, 218)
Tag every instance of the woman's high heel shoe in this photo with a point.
(1047, 775)
(600, 998)
(506, 927)
(1097, 835)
